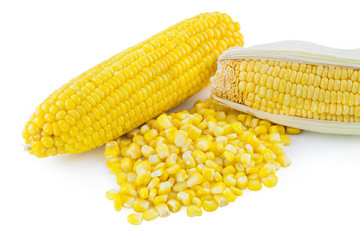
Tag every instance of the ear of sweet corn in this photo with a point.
(131, 87)
(306, 90)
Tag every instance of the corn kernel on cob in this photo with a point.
(131, 87)
(200, 170)
(303, 85)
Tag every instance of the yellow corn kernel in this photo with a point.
(112, 161)
(218, 188)
(144, 129)
(191, 193)
(188, 160)
(252, 140)
(174, 205)
(127, 200)
(154, 159)
(283, 160)
(179, 186)
(254, 185)
(139, 140)
(162, 209)
(112, 149)
(196, 201)
(242, 182)
(140, 205)
(115, 168)
(285, 140)
(180, 138)
(229, 195)
(180, 176)
(203, 145)
(281, 129)
(129, 189)
(133, 133)
(260, 130)
(120, 177)
(143, 193)
(152, 195)
(221, 200)
(228, 170)
(209, 205)
(117, 202)
(293, 131)
(265, 123)
(218, 177)
(193, 211)
(270, 180)
(184, 198)
(146, 151)
(164, 188)
(194, 179)
(208, 174)
(229, 180)
(171, 160)
(274, 138)
(160, 199)
(229, 156)
(133, 151)
(162, 150)
(199, 156)
(126, 164)
(164, 121)
(135, 219)
(266, 170)
(236, 191)
(150, 135)
(111, 193)
(245, 159)
(150, 214)
(153, 183)
(273, 130)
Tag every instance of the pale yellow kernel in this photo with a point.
(162, 150)
(174, 205)
(209, 205)
(150, 214)
(135, 219)
(164, 121)
(293, 131)
(283, 160)
(194, 179)
(140, 205)
(230, 181)
(180, 138)
(164, 188)
(270, 180)
(184, 198)
(162, 209)
(193, 211)
(111, 193)
(146, 151)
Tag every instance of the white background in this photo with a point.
(43, 44)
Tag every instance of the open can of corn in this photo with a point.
(293, 83)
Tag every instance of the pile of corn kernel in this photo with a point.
(201, 159)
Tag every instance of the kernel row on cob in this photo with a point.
(201, 159)
(131, 87)
(300, 87)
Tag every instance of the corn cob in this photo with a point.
(131, 87)
(271, 86)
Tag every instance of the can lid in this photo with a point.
(297, 51)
